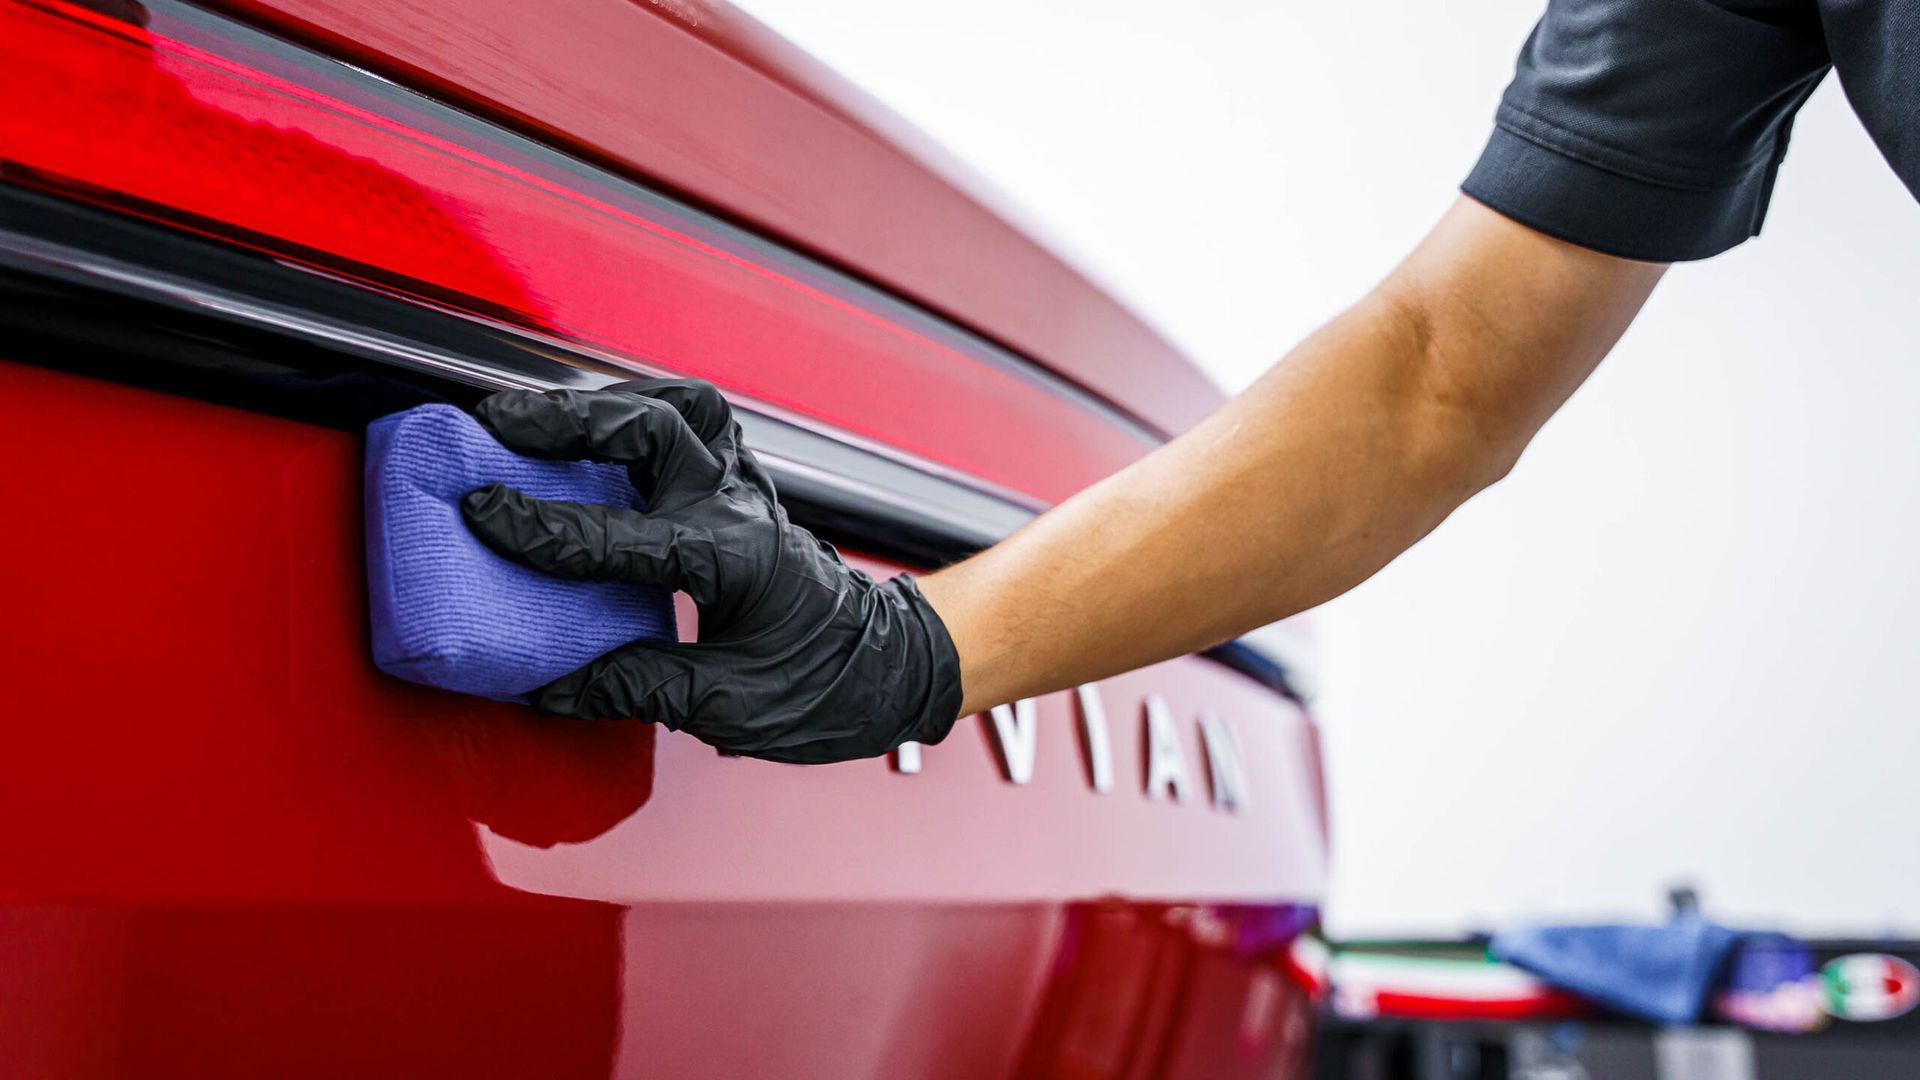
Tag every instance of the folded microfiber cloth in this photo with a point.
(1659, 973)
(449, 612)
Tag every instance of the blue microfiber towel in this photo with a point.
(449, 612)
(1659, 973)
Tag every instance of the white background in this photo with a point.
(1679, 642)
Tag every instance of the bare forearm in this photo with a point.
(1352, 448)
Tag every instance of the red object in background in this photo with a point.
(233, 848)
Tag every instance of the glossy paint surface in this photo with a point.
(230, 847)
(697, 96)
(265, 756)
(201, 125)
(233, 847)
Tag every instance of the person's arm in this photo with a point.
(1352, 448)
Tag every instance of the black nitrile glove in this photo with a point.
(801, 658)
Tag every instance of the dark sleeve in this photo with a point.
(1651, 129)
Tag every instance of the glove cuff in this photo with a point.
(933, 667)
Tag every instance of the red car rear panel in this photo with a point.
(700, 98)
(232, 847)
(167, 121)
(261, 851)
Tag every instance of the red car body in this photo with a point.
(231, 847)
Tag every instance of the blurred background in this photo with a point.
(1676, 644)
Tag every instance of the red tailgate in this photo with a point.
(232, 847)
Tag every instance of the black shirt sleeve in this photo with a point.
(1651, 129)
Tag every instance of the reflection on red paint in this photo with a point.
(1166, 991)
(151, 122)
(232, 848)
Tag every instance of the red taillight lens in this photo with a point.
(201, 124)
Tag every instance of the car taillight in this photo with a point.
(184, 117)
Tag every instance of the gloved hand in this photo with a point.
(800, 658)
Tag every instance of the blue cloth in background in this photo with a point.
(449, 612)
(1659, 973)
